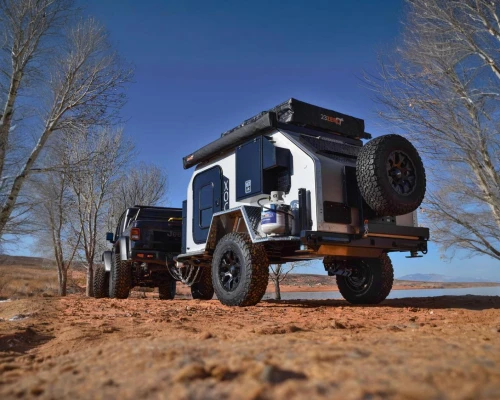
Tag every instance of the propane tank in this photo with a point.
(276, 218)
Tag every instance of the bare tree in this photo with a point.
(279, 272)
(442, 87)
(71, 77)
(140, 184)
(92, 183)
(53, 211)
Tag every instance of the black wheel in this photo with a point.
(391, 175)
(101, 282)
(203, 289)
(370, 282)
(120, 278)
(240, 271)
(167, 288)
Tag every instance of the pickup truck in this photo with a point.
(145, 242)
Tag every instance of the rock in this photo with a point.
(338, 325)
(274, 375)
(395, 328)
(278, 330)
(191, 372)
(220, 372)
(37, 391)
(205, 336)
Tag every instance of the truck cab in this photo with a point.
(144, 245)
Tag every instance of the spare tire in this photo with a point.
(391, 175)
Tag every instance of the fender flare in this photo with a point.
(123, 248)
(244, 219)
(107, 257)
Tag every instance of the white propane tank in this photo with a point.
(276, 218)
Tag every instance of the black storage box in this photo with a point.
(299, 113)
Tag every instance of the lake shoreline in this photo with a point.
(401, 285)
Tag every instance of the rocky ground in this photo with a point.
(76, 347)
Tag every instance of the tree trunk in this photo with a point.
(20, 179)
(6, 118)
(63, 282)
(90, 281)
(277, 291)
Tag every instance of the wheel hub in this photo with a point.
(229, 271)
(360, 278)
(401, 173)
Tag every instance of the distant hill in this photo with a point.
(26, 261)
(440, 278)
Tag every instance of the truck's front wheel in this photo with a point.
(120, 278)
(101, 282)
(240, 270)
(370, 281)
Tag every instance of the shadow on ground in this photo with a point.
(22, 341)
(468, 302)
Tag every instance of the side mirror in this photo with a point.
(110, 237)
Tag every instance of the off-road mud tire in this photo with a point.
(374, 182)
(203, 289)
(378, 287)
(167, 288)
(120, 278)
(254, 270)
(101, 282)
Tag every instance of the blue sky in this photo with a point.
(203, 66)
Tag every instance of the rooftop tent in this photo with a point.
(238, 136)
(292, 112)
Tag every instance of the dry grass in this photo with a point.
(17, 281)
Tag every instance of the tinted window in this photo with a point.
(157, 213)
(206, 217)
(207, 192)
(207, 196)
(119, 226)
(206, 205)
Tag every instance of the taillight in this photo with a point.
(135, 234)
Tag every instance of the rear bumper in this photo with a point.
(149, 256)
(379, 238)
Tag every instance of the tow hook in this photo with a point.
(365, 233)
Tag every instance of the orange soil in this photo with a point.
(77, 347)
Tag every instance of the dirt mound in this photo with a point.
(75, 347)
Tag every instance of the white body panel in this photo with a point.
(302, 177)
(318, 174)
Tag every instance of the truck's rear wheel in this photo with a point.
(167, 288)
(203, 289)
(391, 175)
(240, 270)
(101, 282)
(370, 282)
(120, 278)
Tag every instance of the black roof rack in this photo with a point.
(292, 111)
(158, 208)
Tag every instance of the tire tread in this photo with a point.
(370, 177)
(257, 270)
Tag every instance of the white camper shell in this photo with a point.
(338, 200)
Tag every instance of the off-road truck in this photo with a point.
(296, 183)
(145, 243)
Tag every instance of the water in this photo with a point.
(395, 294)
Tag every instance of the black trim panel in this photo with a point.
(315, 239)
(398, 230)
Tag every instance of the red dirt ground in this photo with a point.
(77, 347)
